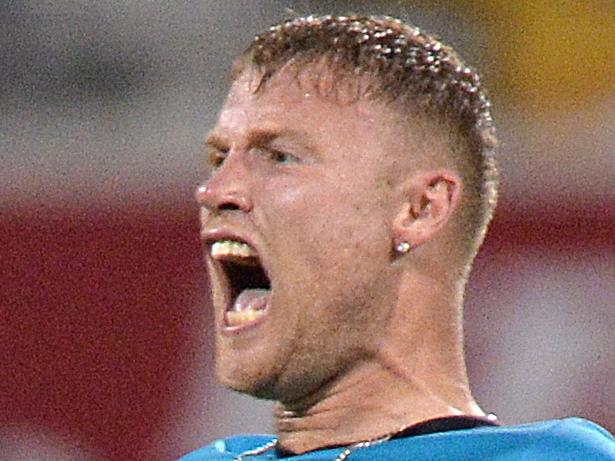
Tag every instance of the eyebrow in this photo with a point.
(262, 137)
(217, 141)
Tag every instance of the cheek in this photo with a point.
(315, 212)
(327, 223)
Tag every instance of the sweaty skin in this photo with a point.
(356, 341)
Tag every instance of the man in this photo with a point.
(353, 178)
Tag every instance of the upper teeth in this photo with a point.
(231, 248)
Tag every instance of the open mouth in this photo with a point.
(246, 280)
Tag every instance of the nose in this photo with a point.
(226, 189)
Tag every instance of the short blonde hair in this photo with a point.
(408, 68)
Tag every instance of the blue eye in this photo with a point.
(276, 156)
(280, 157)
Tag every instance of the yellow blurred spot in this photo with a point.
(566, 54)
(543, 55)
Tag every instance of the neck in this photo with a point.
(367, 404)
(417, 374)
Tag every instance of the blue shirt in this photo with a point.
(571, 439)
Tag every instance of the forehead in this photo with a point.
(303, 103)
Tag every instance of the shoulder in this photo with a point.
(573, 436)
(228, 448)
(571, 439)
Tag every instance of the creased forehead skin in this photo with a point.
(405, 66)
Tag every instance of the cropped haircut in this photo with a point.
(410, 69)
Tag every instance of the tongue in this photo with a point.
(253, 299)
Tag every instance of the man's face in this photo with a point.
(308, 184)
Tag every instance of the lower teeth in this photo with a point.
(236, 318)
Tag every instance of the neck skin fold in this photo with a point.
(418, 373)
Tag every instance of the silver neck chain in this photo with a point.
(257, 451)
(341, 457)
(347, 451)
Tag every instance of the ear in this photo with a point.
(430, 199)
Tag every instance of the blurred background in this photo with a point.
(105, 327)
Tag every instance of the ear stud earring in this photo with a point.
(402, 247)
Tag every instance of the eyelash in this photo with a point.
(276, 156)
(216, 156)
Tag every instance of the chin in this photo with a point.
(252, 388)
(262, 384)
(250, 379)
